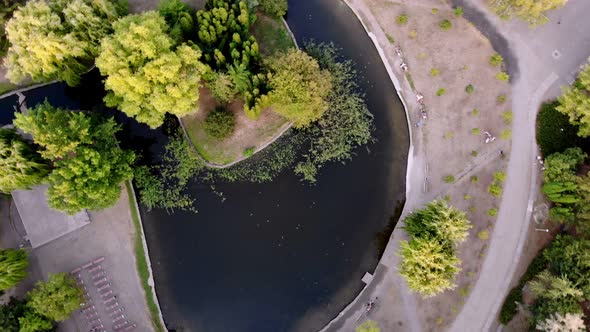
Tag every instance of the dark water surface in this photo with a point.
(282, 256)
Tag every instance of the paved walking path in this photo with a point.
(540, 61)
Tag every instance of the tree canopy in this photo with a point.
(146, 78)
(56, 298)
(575, 102)
(429, 261)
(13, 267)
(276, 8)
(88, 165)
(299, 88)
(57, 39)
(22, 167)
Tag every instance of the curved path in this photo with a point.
(540, 61)
(547, 57)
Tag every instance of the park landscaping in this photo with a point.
(465, 90)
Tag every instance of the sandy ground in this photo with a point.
(248, 133)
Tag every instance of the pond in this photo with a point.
(280, 256)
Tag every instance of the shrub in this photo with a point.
(500, 176)
(402, 19)
(475, 112)
(449, 135)
(475, 131)
(13, 267)
(275, 8)
(506, 134)
(495, 190)
(458, 11)
(492, 212)
(554, 131)
(503, 76)
(249, 151)
(434, 10)
(496, 60)
(507, 116)
(449, 179)
(219, 123)
(466, 197)
(474, 153)
(509, 309)
(445, 25)
(501, 98)
(390, 38)
(474, 179)
(440, 92)
(422, 55)
(413, 34)
(483, 235)
(434, 72)
(469, 89)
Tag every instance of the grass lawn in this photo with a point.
(248, 133)
(142, 265)
(5, 87)
(271, 34)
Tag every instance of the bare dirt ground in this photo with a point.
(453, 134)
(248, 133)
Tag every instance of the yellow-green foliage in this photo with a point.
(299, 88)
(145, 77)
(531, 11)
(57, 39)
(368, 326)
(21, 165)
(575, 102)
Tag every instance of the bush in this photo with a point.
(503, 76)
(434, 10)
(554, 131)
(501, 98)
(219, 123)
(506, 134)
(469, 89)
(492, 212)
(402, 19)
(458, 11)
(249, 151)
(507, 116)
(483, 235)
(275, 8)
(495, 190)
(509, 309)
(474, 179)
(496, 60)
(475, 131)
(434, 72)
(475, 112)
(474, 153)
(449, 179)
(445, 25)
(440, 92)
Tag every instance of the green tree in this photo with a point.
(13, 267)
(22, 167)
(563, 323)
(275, 8)
(569, 257)
(180, 18)
(56, 298)
(222, 87)
(547, 285)
(429, 261)
(531, 11)
(554, 132)
(10, 314)
(33, 322)
(57, 39)
(145, 77)
(575, 102)
(88, 163)
(427, 266)
(299, 88)
(561, 167)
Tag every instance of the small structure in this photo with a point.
(42, 223)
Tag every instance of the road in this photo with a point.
(541, 60)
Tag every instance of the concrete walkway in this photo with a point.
(546, 59)
(540, 61)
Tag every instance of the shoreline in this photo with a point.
(389, 249)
